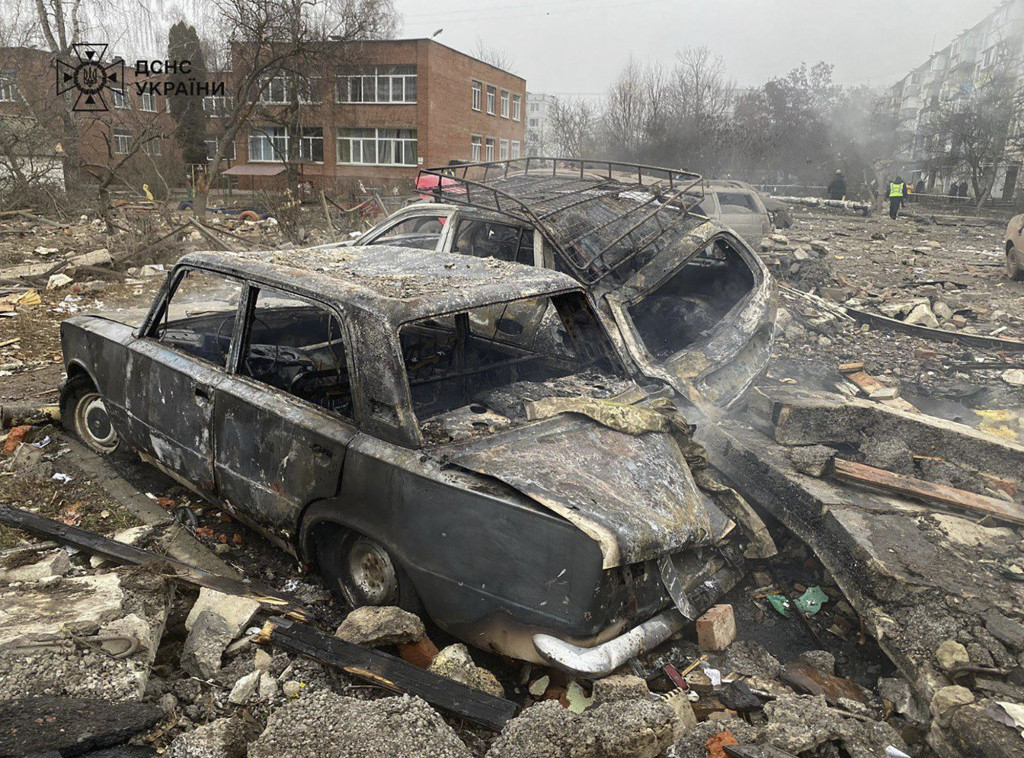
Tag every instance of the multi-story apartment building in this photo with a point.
(538, 124)
(953, 74)
(376, 111)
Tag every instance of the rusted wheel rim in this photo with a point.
(92, 424)
(372, 572)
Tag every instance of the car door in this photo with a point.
(284, 418)
(174, 371)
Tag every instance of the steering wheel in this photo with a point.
(252, 366)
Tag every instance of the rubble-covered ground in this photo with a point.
(194, 680)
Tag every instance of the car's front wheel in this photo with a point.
(85, 414)
(361, 572)
(1014, 269)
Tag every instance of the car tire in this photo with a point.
(360, 571)
(1014, 269)
(85, 415)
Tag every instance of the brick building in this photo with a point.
(377, 111)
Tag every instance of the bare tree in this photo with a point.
(636, 111)
(495, 56)
(701, 99)
(282, 38)
(975, 131)
(573, 127)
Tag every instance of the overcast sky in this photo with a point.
(579, 46)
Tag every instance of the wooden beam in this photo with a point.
(96, 544)
(935, 494)
(389, 672)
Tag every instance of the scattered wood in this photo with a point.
(327, 217)
(847, 368)
(929, 492)
(18, 415)
(389, 672)
(95, 544)
(211, 237)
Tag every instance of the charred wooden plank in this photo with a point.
(938, 494)
(389, 672)
(119, 552)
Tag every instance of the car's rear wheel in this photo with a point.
(85, 414)
(1014, 269)
(360, 571)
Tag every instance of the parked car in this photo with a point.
(1015, 248)
(368, 410)
(738, 206)
(685, 299)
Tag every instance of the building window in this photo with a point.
(268, 143)
(517, 107)
(274, 90)
(504, 103)
(534, 107)
(476, 145)
(503, 150)
(377, 147)
(120, 99)
(311, 145)
(122, 142)
(489, 152)
(491, 94)
(153, 146)
(211, 150)
(532, 123)
(515, 149)
(217, 104)
(147, 102)
(376, 84)
(7, 90)
(478, 89)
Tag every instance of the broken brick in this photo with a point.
(716, 629)
(15, 438)
(420, 653)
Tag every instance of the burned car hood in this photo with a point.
(633, 495)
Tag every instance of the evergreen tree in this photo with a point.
(187, 110)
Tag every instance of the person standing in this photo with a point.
(896, 191)
(837, 187)
(963, 190)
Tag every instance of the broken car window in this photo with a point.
(690, 303)
(453, 361)
(737, 202)
(421, 232)
(486, 239)
(297, 347)
(200, 317)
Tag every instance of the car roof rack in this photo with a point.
(598, 215)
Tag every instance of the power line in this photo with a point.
(488, 14)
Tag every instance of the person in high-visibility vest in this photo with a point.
(896, 192)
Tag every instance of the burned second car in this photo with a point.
(450, 434)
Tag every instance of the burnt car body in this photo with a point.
(686, 300)
(366, 412)
(1014, 241)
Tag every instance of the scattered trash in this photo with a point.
(811, 601)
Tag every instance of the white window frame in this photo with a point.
(122, 142)
(517, 107)
(384, 79)
(153, 146)
(503, 150)
(492, 94)
(478, 95)
(489, 149)
(147, 102)
(211, 149)
(376, 145)
(506, 99)
(308, 141)
(516, 150)
(119, 96)
(216, 105)
(476, 146)
(8, 89)
(269, 84)
(272, 141)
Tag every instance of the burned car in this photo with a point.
(449, 434)
(686, 300)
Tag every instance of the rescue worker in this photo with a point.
(837, 187)
(896, 192)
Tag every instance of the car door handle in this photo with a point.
(202, 394)
(322, 451)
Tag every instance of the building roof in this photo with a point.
(395, 283)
